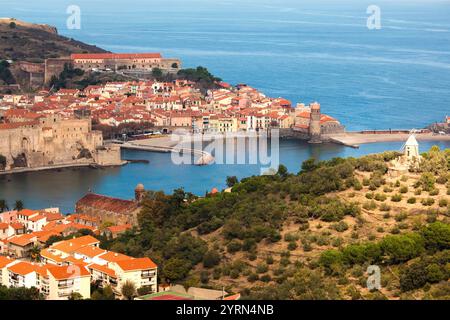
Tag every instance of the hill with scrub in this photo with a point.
(310, 235)
(36, 42)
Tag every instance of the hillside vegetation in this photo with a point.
(309, 235)
(35, 43)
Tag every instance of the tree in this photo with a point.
(282, 171)
(5, 73)
(3, 205)
(437, 236)
(176, 269)
(400, 248)
(157, 73)
(2, 162)
(211, 259)
(75, 296)
(35, 253)
(128, 290)
(309, 165)
(18, 205)
(231, 181)
(12, 25)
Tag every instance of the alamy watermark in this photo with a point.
(374, 277)
(73, 22)
(229, 148)
(374, 19)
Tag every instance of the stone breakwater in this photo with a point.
(354, 139)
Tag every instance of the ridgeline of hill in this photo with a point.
(35, 42)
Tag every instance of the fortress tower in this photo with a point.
(314, 125)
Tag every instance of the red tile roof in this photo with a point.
(115, 56)
(136, 264)
(68, 272)
(100, 202)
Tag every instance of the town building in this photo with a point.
(124, 61)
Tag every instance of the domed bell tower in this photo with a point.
(139, 193)
(314, 124)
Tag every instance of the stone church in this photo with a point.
(113, 210)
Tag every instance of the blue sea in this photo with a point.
(394, 77)
(313, 50)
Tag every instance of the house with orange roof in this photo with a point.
(20, 246)
(5, 262)
(69, 247)
(22, 274)
(4, 230)
(141, 271)
(89, 254)
(113, 232)
(16, 228)
(65, 280)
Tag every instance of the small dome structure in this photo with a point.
(140, 187)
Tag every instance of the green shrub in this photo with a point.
(292, 246)
(411, 200)
(434, 192)
(400, 248)
(234, 246)
(443, 202)
(403, 189)
(396, 198)
(427, 202)
(340, 226)
(262, 268)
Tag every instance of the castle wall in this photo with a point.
(54, 141)
(53, 67)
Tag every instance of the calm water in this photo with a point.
(396, 77)
(63, 188)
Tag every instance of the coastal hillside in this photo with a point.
(35, 42)
(310, 235)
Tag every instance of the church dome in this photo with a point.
(140, 187)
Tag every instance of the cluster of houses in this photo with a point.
(29, 258)
(168, 105)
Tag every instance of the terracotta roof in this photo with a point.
(27, 212)
(90, 251)
(103, 269)
(4, 261)
(22, 240)
(116, 56)
(136, 264)
(22, 268)
(3, 226)
(100, 202)
(52, 216)
(46, 253)
(121, 228)
(68, 272)
(17, 225)
(37, 218)
(15, 125)
(114, 257)
(72, 245)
